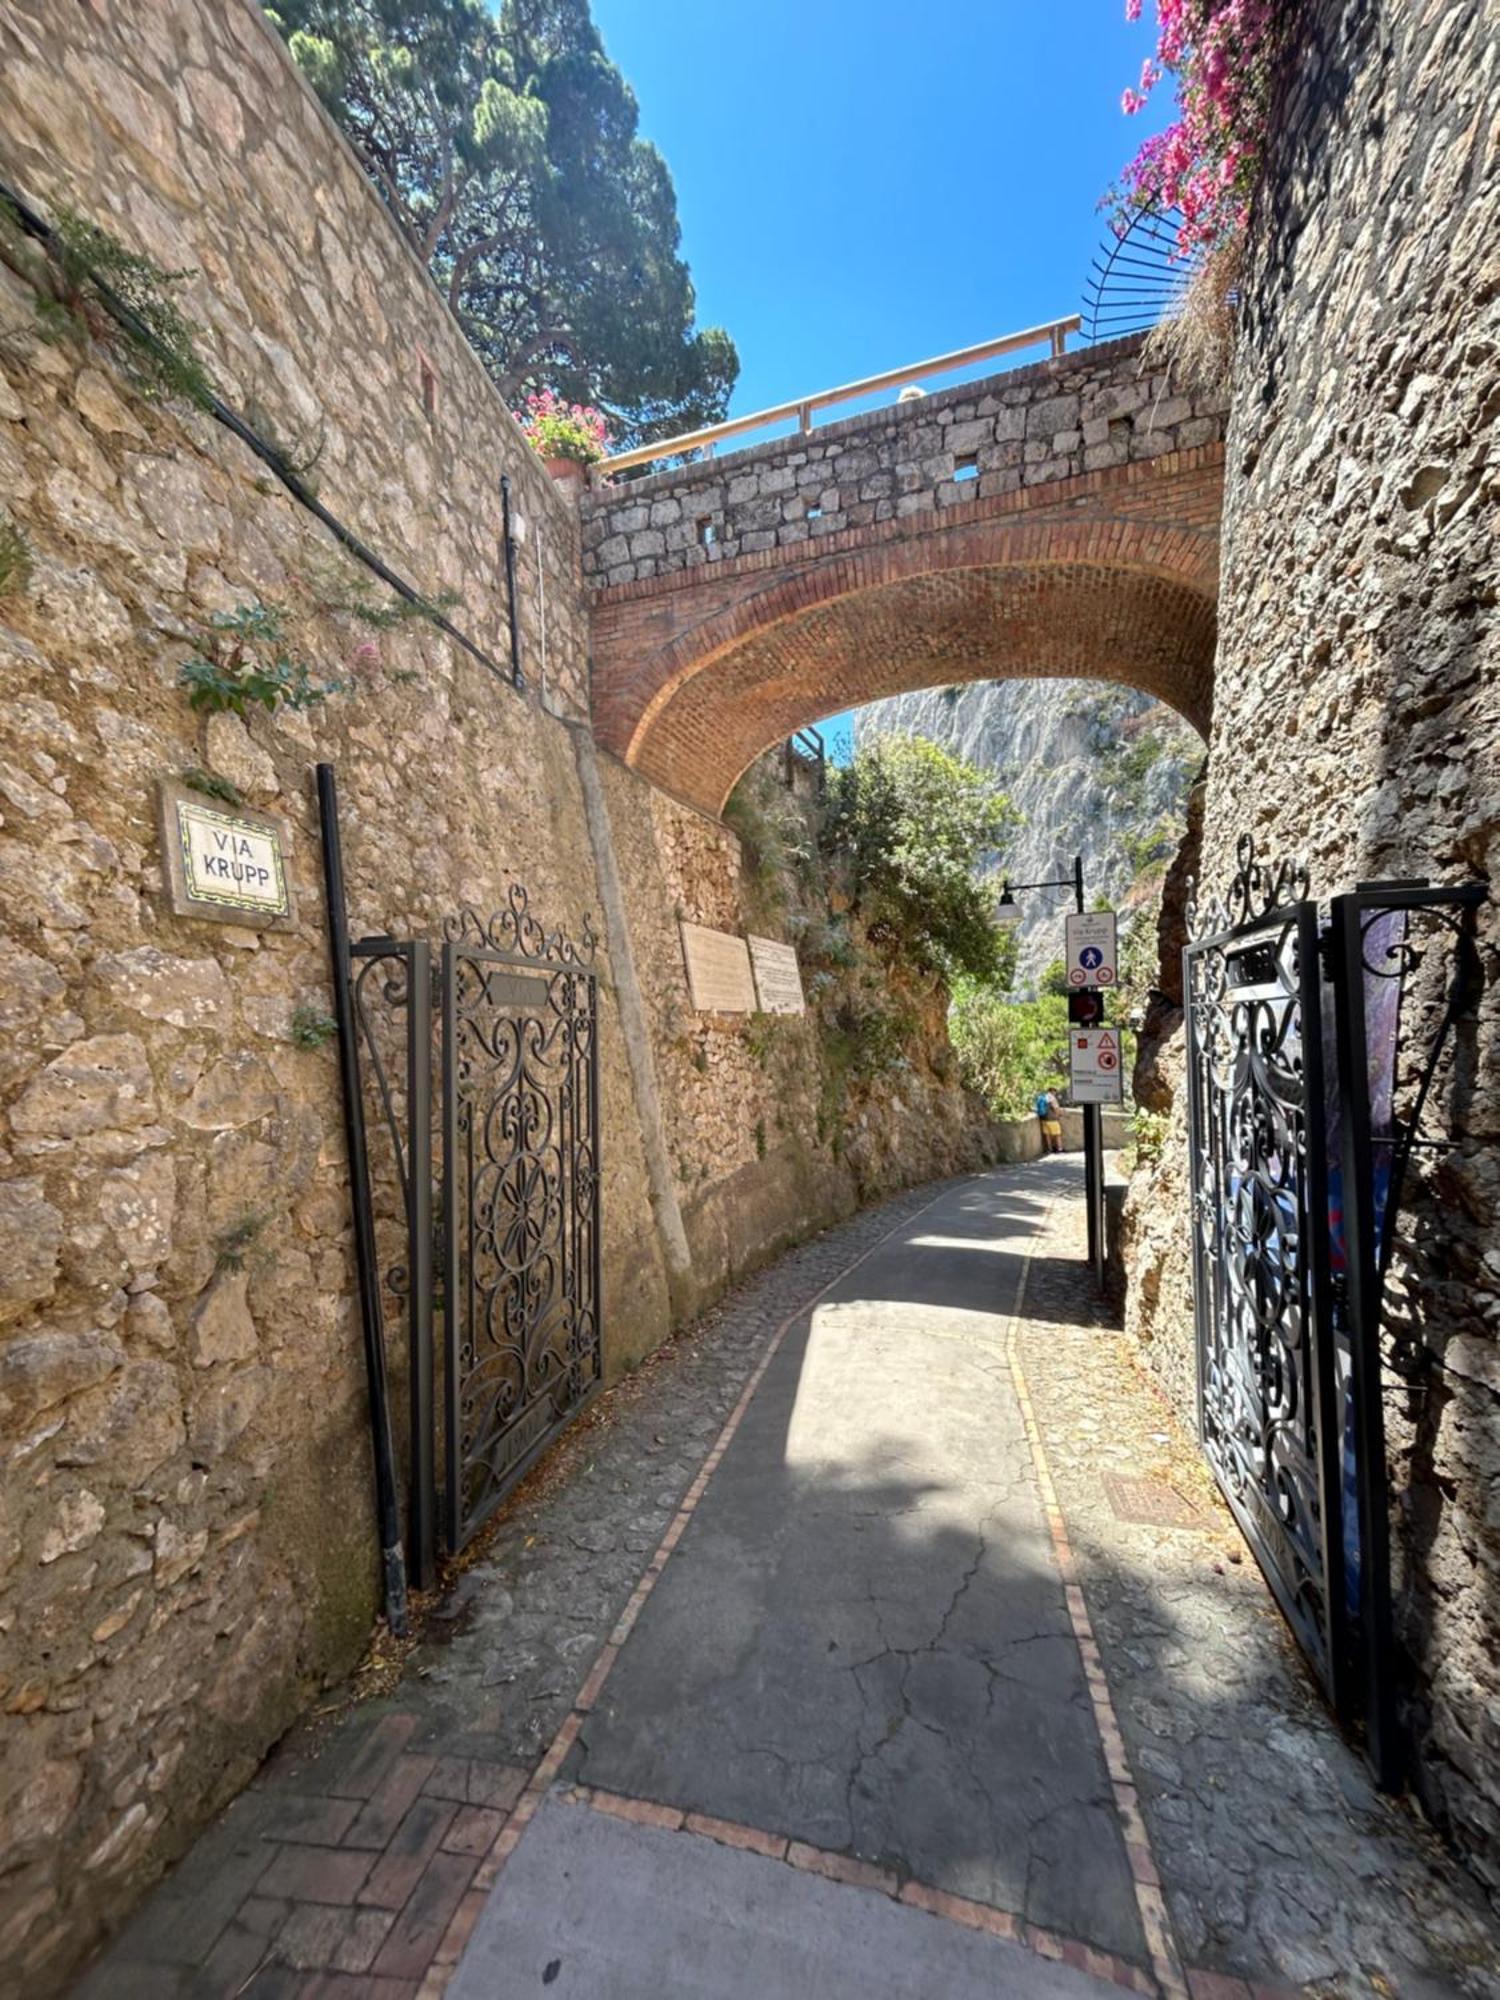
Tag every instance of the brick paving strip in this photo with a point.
(1166, 1962)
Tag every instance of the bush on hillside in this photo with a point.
(908, 825)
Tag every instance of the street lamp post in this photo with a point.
(1007, 911)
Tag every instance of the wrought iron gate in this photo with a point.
(1297, 1151)
(489, 1199)
(1266, 1406)
(521, 1200)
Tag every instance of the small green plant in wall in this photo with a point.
(212, 786)
(311, 1027)
(245, 664)
(89, 284)
(232, 1246)
(15, 561)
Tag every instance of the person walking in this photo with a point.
(1050, 1113)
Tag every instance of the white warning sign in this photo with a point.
(1096, 1071)
(1092, 960)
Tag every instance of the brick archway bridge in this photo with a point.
(1059, 519)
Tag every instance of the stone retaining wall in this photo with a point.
(1357, 725)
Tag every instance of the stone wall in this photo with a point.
(1357, 724)
(186, 1548)
(775, 1123)
(1052, 420)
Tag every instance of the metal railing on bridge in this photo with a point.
(1055, 332)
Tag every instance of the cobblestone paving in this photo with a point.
(347, 1862)
(1278, 1856)
(348, 1868)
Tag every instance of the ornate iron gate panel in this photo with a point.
(521, 1200)
(1267, 1398)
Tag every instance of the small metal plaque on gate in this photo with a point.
(503, 988)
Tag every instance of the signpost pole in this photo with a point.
(1093, 1145)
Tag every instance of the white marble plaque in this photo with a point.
(778, 981)
(224, 862)
(718, 970)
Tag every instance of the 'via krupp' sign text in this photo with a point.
(222, 863)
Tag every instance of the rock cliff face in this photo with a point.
(1093, 768)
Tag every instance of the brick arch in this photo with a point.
(692, 684)
(1052, 620)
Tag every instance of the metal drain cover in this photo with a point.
(1148, 1503)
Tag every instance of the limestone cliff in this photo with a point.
(1093, 768)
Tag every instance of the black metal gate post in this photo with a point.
(423, 1510)
(1367, 1237)
(387, 1506)
(1360, 1293)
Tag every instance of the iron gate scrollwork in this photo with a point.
(1266, 1389)
(1297, 1150)
(522, 1351)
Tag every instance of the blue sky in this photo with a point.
(863, 186)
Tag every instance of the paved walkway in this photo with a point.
(886, 1638)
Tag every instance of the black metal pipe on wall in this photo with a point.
(387, 1503)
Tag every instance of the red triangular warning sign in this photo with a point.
(1106, 1041)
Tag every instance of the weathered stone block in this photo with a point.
(222, 1328)
(31, 1234)
(186, 992)
(42, 1369)
(102, 1084)
(1054, 413)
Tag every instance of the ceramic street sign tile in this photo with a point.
(225, 863)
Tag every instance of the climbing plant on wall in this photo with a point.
(1204, 168)
(1206, 164)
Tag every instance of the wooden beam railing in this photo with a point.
(1055, 332)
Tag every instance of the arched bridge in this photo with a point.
(1059, 519)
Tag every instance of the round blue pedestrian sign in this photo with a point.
(1091, 958)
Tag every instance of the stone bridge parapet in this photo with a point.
(1083, 412)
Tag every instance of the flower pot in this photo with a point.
(568, 472)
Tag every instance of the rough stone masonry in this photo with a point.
(186, 1549)
(1357, 726)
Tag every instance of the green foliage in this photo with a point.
(299, 452)
(15, 561)
(505, 144)
(340, 589)
(764, 1034)
(244, 665)
(232, 1246)
(1009, 1050)
(1054, 978)
(91, 284)
(311, 1027)
(760, 1138)
(1149, 1130)
(910, 824)
(777, 843)
(212, 786)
